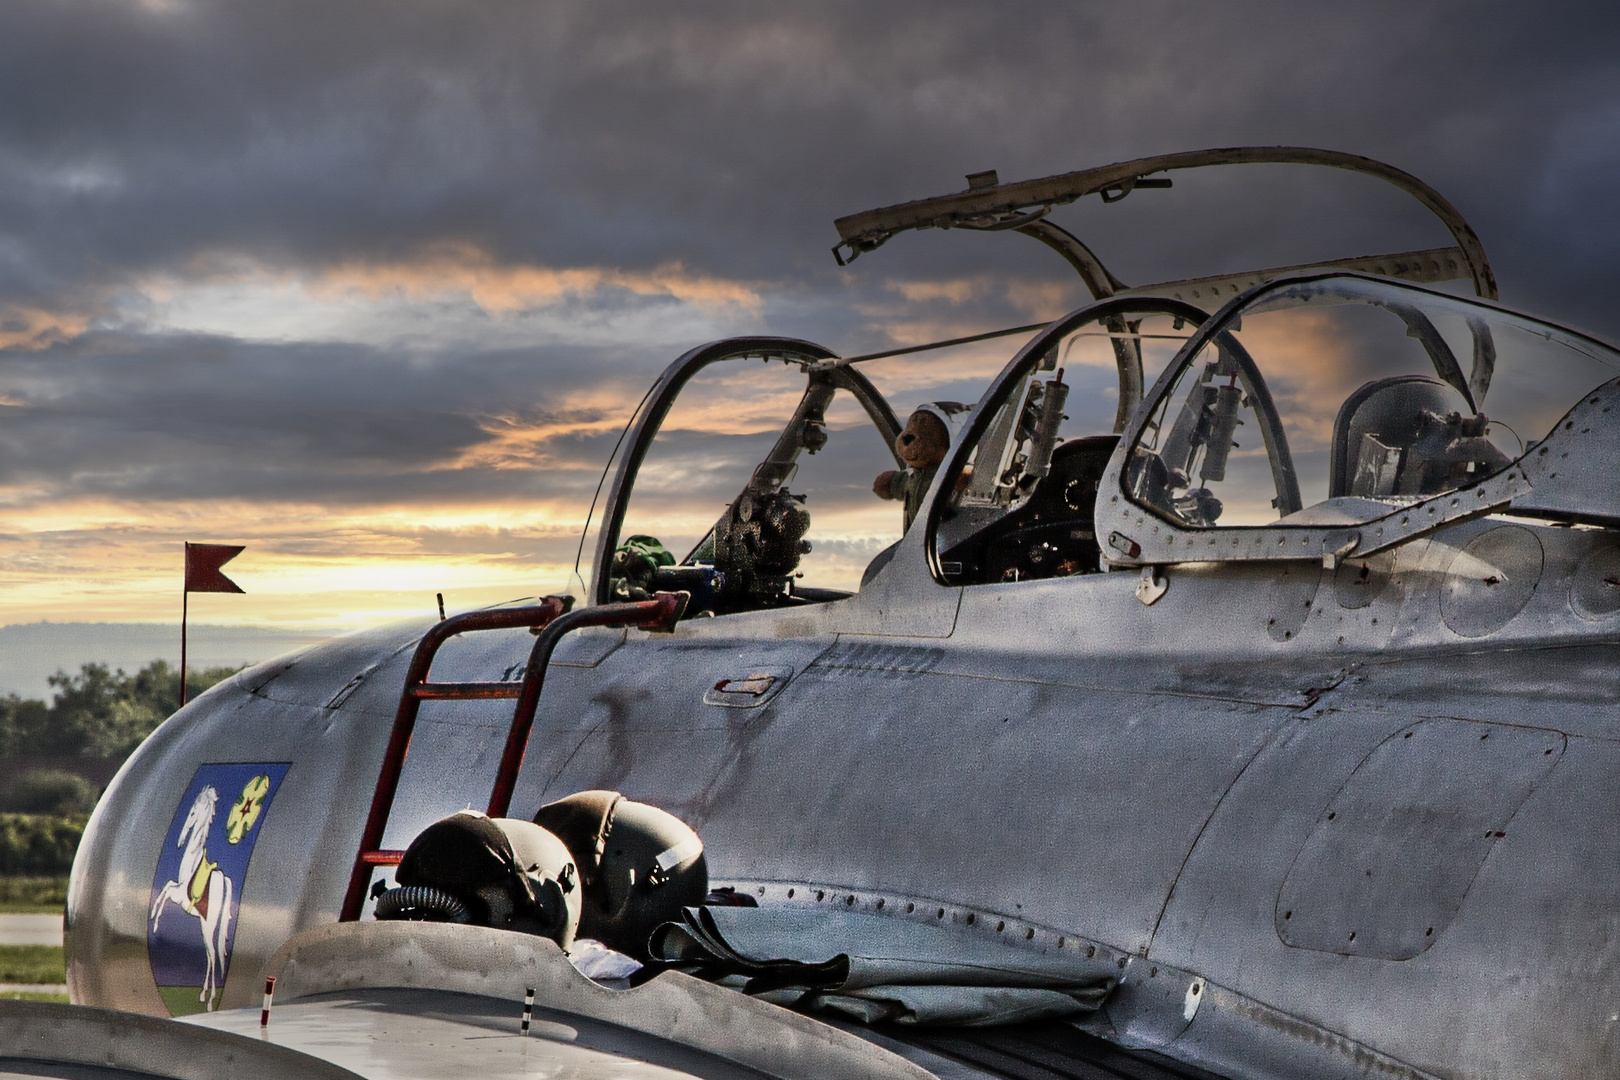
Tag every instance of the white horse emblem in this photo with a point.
(202, 890)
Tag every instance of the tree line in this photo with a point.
(98, 713)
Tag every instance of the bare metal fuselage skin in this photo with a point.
(1046, 759)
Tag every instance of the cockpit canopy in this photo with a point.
(1338, 401)
(1321, 411)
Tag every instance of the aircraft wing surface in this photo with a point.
(407, 999)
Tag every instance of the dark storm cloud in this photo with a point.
(175, 418)
(150, 139)
(578, 133)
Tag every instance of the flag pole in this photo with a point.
(185, 597)
(202, 575)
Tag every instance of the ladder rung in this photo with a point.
(384, 857)
(454, 691)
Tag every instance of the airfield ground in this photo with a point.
(31, 959)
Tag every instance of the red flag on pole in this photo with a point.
(202, 567)
(202, 575)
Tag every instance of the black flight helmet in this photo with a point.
(500, 872)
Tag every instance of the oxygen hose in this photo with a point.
(422, 903)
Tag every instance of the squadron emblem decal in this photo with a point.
(197, 888)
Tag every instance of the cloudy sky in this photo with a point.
(370, 287)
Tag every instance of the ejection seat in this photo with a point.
(1376, 434)
(1051, 534)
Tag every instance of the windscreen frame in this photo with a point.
(646, 424)
(1011, 379)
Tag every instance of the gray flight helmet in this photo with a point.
(640, 865)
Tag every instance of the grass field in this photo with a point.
(23, 895)
(31, 964)
(60, 999)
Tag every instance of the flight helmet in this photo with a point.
(499, 872)
(640, 865)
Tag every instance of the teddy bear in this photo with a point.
(922, 446)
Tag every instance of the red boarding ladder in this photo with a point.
(552, 619)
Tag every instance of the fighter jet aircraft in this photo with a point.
(1257, 722)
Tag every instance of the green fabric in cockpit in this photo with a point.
(634, 563)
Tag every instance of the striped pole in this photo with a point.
(269, 992)
(528, 1008)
